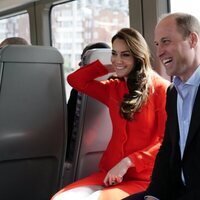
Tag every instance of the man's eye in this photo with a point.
(166, 41)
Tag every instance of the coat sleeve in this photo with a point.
(84, 81)
(192, 194)
(145, 158)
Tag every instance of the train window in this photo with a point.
(185, 6)
(77, 23)
(15, 26)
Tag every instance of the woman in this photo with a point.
(136, 102)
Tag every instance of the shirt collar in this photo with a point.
(194, 80)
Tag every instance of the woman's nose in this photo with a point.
(118, 59)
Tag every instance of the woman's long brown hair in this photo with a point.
(138, 79)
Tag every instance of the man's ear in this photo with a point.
(194, 38)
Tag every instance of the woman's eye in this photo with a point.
(126, 54)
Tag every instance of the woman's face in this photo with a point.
(122, 59)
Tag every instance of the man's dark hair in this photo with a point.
(97, 45)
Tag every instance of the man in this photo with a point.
(13, 40)
(176, 174)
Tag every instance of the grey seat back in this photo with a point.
(32, 122)
(95, 126)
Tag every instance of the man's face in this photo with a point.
(173, 50)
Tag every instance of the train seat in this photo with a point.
(94, 129)
(32, 122)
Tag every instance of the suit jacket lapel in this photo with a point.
(172, 114)
(194, 123)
